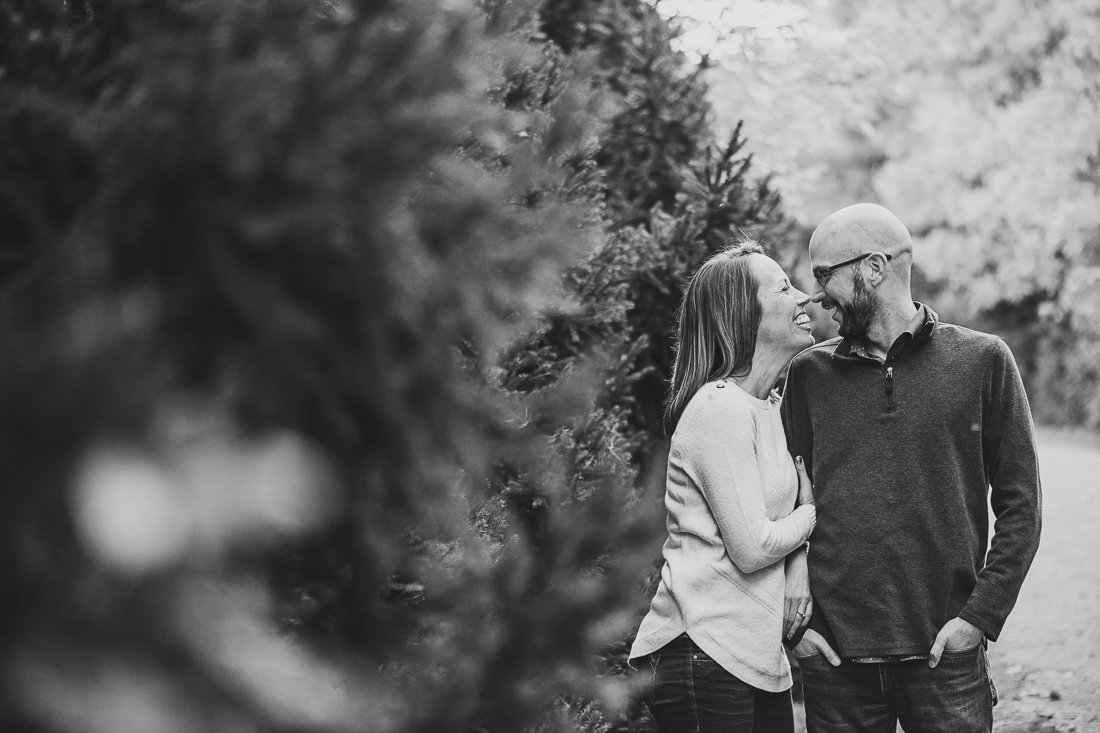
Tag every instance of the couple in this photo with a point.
(878, 575)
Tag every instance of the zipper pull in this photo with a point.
(890, 405)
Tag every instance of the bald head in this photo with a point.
(857, 229)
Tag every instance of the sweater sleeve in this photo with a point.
(723, 457)
(796, 419)
(1012, 469)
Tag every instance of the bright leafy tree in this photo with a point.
(976, 123)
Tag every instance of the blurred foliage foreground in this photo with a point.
(333, 338)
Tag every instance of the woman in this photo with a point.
(714, 630)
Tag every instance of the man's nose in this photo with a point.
(817, 293)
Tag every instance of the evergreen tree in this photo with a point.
(671, 197)
(258, 471)
(302, 429)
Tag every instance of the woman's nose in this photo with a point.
(800, 298)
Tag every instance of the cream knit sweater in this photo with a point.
(729, 493)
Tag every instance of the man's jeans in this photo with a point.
(955, 697)
(692, 693)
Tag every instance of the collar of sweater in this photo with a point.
(844, 346)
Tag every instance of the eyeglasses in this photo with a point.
(822, 274)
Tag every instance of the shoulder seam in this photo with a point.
(735, 403)
(981, 335)
(720, 393)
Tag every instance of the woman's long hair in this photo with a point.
(719, 318)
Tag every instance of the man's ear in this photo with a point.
(877, 265)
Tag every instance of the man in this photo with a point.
(906, 425)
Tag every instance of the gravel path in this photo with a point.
(1046, 663)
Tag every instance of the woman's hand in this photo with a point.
(805, 487)
(797, 603)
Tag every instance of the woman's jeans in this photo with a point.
(691, 693)
(955, 697)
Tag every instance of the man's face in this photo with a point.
(847, 299)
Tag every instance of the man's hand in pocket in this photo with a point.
(955, 635)
(813, 643)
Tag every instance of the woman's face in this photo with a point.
(784, 323)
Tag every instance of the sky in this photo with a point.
(716, 27)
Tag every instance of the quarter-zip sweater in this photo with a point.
(903, 454)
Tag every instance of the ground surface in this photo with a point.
(1046, 661)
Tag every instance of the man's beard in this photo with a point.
(859, 313)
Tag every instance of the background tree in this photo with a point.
(670, 197)
(976, 123)
(335, 342)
